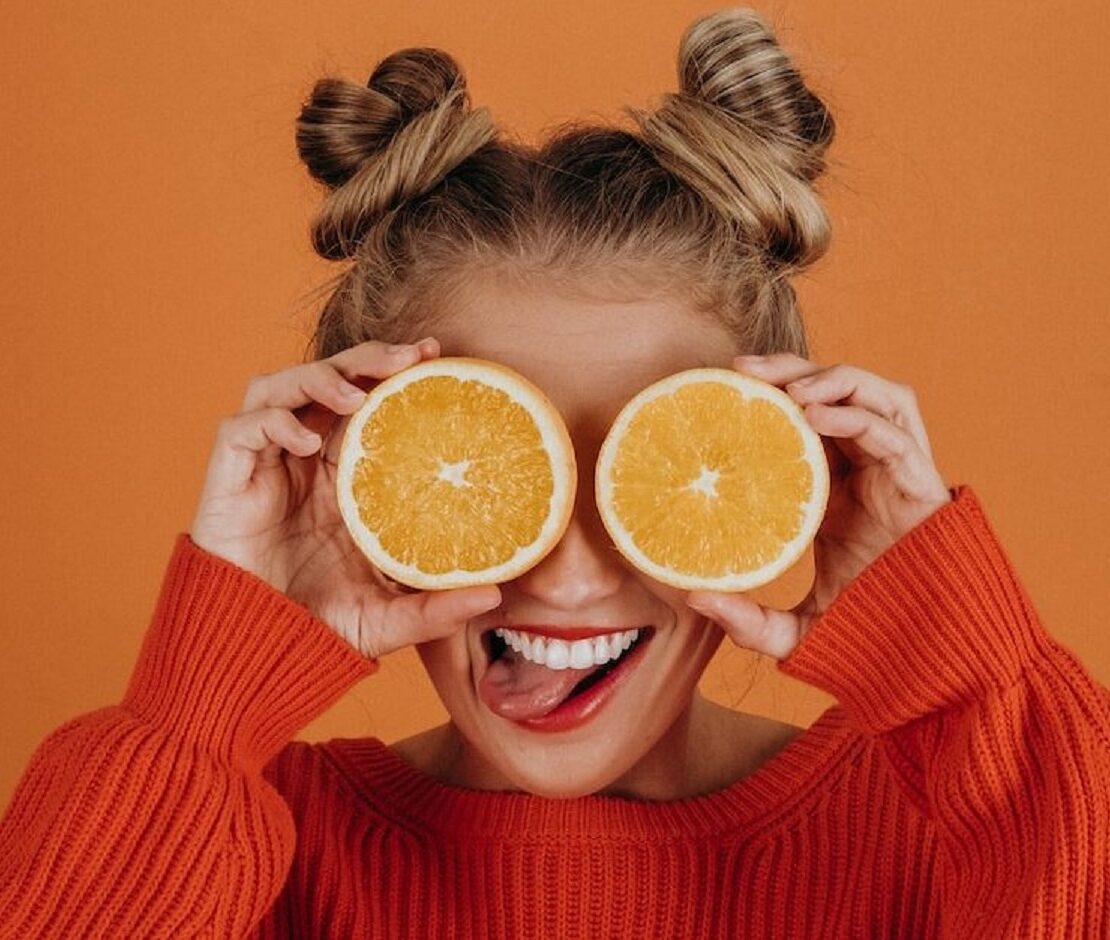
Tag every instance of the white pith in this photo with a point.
(563, 654)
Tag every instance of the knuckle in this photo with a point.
(355, 353)
(904, 403)
(765, 633)
(275, 416)
(340, 385)
(255, 385)
(901, 443)
(226, 426)
(319, 371)
(265, 416)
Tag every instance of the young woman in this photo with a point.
(959, 788)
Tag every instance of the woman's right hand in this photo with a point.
(268, 504)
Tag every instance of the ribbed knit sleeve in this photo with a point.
(997, 732)
(151, 818)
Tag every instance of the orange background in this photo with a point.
(155, 256)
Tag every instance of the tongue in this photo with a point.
(516, 688)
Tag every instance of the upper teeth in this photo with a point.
(561, 654)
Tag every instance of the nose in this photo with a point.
(584, 569)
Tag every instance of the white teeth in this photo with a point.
(601, 651)
(558, 654)
(561, 654)
(581, 654)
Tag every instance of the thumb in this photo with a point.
(748, 624)
(408, 619)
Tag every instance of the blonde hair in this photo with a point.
(708, 198)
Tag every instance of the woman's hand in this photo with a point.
(883, 483)
(269, 504)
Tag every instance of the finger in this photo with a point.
(326, 380)
(880, 441)
(247, 441)
(748, 624)
(366, 359)
(333, 434)
(776, 368)
(428, 615)
(854, 386)
(316, 382)
(319, 391)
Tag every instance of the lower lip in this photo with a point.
(580, 708)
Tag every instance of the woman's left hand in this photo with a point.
(883, 483)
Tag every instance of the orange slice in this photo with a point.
(456, 471)
(712, 480)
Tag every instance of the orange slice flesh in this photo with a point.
(456, 471)
(712, 480)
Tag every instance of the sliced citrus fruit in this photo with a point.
(712, 480)
(456, 471)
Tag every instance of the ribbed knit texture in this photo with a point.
(959, 788)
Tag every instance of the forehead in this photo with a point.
(589, 356)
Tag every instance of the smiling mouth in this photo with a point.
(496, 648)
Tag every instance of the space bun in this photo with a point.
(377, 146)
(746, 133)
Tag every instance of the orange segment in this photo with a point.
(711, 479)
(456, 471)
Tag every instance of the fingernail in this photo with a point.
(400, 347)
(808, 380)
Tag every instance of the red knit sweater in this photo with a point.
(960, 788)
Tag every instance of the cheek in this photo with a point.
(674, 598)
(694, 636)
(700, 638)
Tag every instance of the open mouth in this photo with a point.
(497, 647)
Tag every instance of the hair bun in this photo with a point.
(746, 133)
(732, 60)
(377, 146)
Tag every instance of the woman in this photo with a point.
(957, 789)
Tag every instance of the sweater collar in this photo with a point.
(410, 797)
